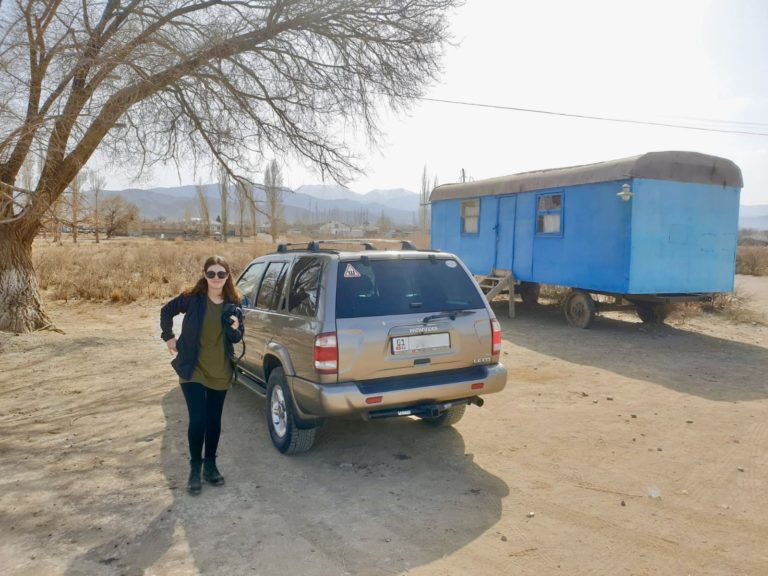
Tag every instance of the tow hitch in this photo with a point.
(432, 410)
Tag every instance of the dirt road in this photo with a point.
(615, 450)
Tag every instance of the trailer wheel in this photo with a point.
(651, 313)
(529, 292)
(579, 309)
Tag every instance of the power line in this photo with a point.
(756, 125)
(587, 117)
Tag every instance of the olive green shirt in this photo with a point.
(213, 369)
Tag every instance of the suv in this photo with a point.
(378, 333)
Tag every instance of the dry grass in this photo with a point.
(752, 260)
(735, 306)
(126, 270)
(420, 240)
(554, 294)
(130, 269)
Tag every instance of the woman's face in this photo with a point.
(216, 275)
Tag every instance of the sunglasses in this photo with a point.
(221, 274)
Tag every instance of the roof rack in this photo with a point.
(368, 244)
(284, 246)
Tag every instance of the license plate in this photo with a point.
(420, 343)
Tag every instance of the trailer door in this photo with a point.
(522, 255)
(505, 233)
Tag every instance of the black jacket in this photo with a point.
(188, 343)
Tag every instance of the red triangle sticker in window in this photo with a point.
(351, 272)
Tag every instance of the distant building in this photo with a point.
(334, 228)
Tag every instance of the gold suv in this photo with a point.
(379, 333)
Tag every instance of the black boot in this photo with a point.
(193, 484)
(211, 473)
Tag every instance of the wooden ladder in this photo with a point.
(492, 286)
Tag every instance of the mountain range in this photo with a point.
(308, 204)
(755, 217)
(319, 203)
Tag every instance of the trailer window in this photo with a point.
(470, 216)
(549, 212)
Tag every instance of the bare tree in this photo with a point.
(229, 79)
(384, 223)
(27, 176)
(254, 214)
(187, 218)
(244, 203)
(424, 202)
(429, 208)
(224, 197)
(117, 214)
(74, 198)
(97, 182)
(273, 189)
(54, 219)
(202, 208)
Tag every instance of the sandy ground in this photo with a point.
(619, 450)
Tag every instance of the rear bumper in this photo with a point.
(321, 400)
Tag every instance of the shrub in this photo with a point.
(752, 260)
(735, 306)
(125, 271)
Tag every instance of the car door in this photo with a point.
(265, 313)
(301, 323)
(248, 285)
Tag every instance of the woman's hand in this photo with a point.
(171, 346)
(235, 324)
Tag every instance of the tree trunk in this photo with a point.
(21, 309)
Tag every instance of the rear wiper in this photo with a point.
(452, 315)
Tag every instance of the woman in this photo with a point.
(212, 323)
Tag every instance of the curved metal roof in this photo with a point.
(677, 166)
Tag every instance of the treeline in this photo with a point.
(78, 211)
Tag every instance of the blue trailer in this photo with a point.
(648, 230)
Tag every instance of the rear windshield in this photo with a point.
(385, 287)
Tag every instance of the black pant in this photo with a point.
(205, 407)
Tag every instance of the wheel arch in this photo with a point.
(271, 362)
(276, 356)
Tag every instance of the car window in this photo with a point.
(305, 286)
(270, 286)
(279, 302)
(249, 283)
(407, 286)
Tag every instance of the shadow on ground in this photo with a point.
(638, 351)
(370, 498)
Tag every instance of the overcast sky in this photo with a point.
(693, 62)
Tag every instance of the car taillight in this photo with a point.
(495, 339)
(326, 353)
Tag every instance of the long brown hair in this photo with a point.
(231, 294)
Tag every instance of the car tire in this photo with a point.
(447, 418)
(286, 436)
